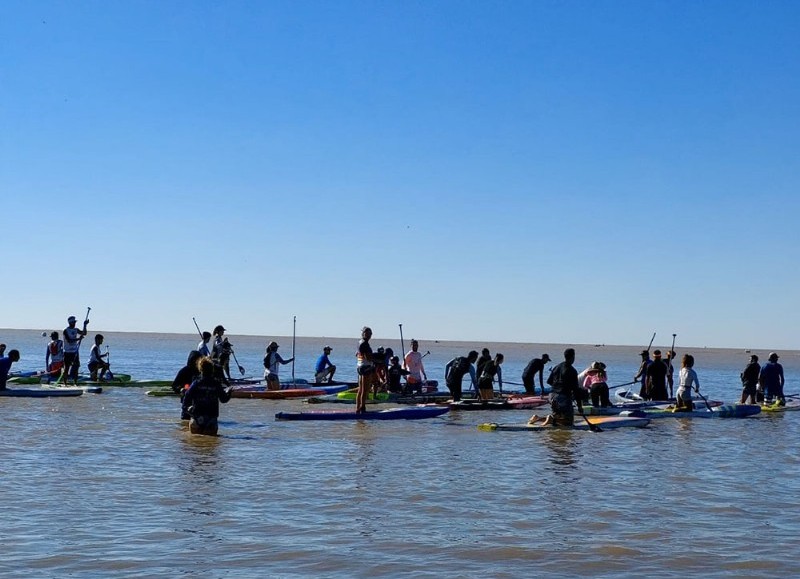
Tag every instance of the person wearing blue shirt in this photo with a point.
(324, 370)
(5, 367)
(771, 380)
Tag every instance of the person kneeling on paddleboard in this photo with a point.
(202, 399)
(564, 388)
(97, 366)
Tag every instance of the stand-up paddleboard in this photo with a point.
(409, 413)
(630, 398)
(40, 392)
(603, 422)
(434, 396)
(792, 403)
(723, 411)
(162, 392)
(262, 392)
(117, 380)
(511, 403)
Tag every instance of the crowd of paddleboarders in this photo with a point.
(206, 379)
(62, 356)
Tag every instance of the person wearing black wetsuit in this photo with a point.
(486, 379)
(185, 377)
(657, 378)
(535, 366)
(455, 370)
(749, 378)
(202, 399)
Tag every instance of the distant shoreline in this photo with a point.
(471, 343)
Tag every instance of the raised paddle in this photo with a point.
(669, 364)
(198, 328)
(294, 330)
(651, 342)
(402, 346)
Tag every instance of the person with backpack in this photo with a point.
(54, 355)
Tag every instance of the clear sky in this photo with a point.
(535, 171)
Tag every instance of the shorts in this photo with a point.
(683, 398)
(561, 410)
(273, 382)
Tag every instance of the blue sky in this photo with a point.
(578, 172)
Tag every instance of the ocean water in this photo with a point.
(114, 485)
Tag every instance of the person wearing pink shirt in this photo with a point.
(596, 382)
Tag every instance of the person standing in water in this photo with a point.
(564, 389)
(201, 401)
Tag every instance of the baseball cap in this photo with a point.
(71, 319)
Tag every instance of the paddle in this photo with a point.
(592, 427)
(402, 346)
(198, 328)
(669, 364)
(651, 342)
(85, 321)
(241, 368)
(294, 329)
(626, 384)
(708, 406)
